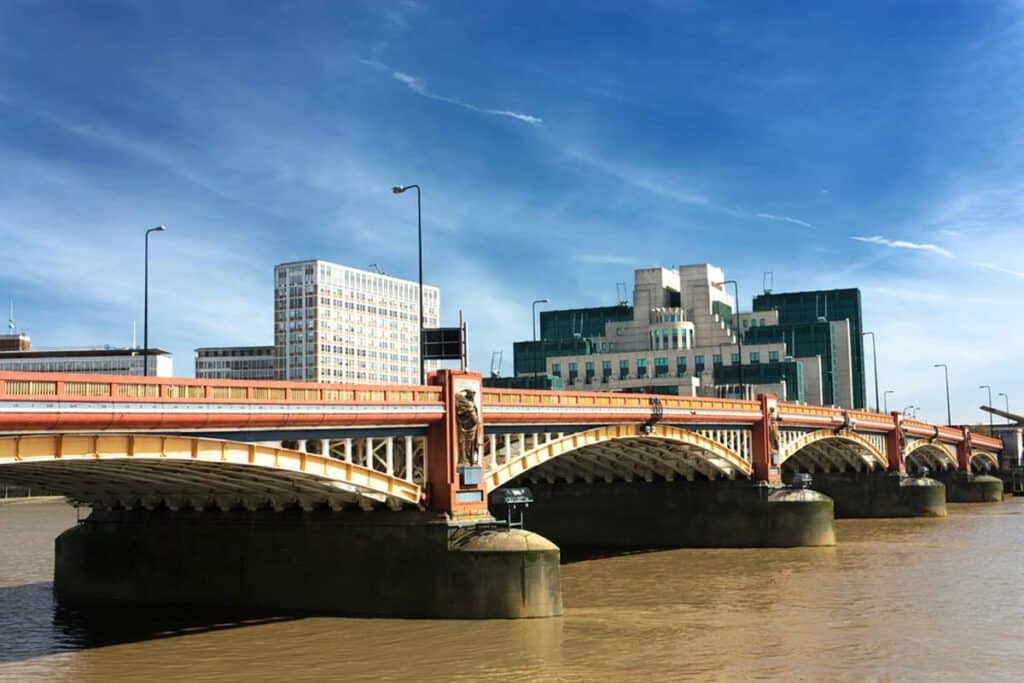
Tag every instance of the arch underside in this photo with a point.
(177, 473)
(827, 451)
(935, 457)
(624, 453)
(983, 462)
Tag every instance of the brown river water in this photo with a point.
(935, 599)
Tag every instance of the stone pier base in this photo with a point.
(663, 514)
(380, 564)
(971, 488)
(880, 494)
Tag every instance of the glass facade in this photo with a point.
(804, 326)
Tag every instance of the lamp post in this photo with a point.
(907, 410)
(1006, 400)
(145, 306)
(874, 359)
(885, 399)
(533, 320)
(985, 386)
(739, 331)
(949, 412)
(399, 189)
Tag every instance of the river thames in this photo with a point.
(894, 600)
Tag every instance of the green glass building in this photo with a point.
(805, 325)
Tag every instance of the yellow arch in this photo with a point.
(569, 443)
(941, 450)
(874, 456)
(176, 470)
(986, 455)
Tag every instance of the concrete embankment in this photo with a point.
(381, 564)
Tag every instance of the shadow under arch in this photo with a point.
(935, 456)
(828, 450)
(626, 451)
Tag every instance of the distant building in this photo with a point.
(15, 342)
(235, 362)
(825, 324)
(333, 323)
(104, 360)
(681, 336)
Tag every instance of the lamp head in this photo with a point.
(398, 189)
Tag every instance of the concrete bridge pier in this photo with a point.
(672, 514)
(881, 494)
(387, 564)
(965, 487)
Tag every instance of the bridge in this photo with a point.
(338, 472)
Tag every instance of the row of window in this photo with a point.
(659, 363)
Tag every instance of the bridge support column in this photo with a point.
(376, 564)
(963, 486)
(676, 514)
(764, 452)
(894, 446)
(881, 494)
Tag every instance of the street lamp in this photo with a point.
(949, 413)
(533, 321)
(1006, 399)
(985, 386)
(145, 306)
(739, 331)
(399, 189)
(874, 358)
(885, 399)
(907, 410)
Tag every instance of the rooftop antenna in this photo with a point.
(496, 357)
(133, 334)
(10, 319)
(768, 281)
(620, 292)
(376, 268)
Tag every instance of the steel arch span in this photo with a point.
(983, 462)
(128, 471)
(626, 452)
(831, 450)
(936, 456)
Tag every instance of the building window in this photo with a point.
(590, 372)
(641, 367)
(623, 369)
(556, 369)
(606, 371)
(661, 367)
(734, 358)
(698, 364)
(773, 356)
(680, 366)
(755, 356)
(716, 359)
(573, 372)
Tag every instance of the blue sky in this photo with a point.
(873, 145)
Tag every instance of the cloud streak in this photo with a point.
(998, 269)
(785, 219)
(903, 244)
(419, 86)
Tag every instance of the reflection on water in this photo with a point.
(896, 599)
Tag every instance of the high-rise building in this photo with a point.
(682, 336)
(827, 324)
(333, 323)
(235, 362)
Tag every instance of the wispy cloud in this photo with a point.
(998, 269)
(785, 219)
(606, 259)
(903, 244)
(419, 86)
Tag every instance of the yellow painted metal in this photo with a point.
(846, 435)
(936, 447)
(986, 455)
(571, 442)
(109, 449)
